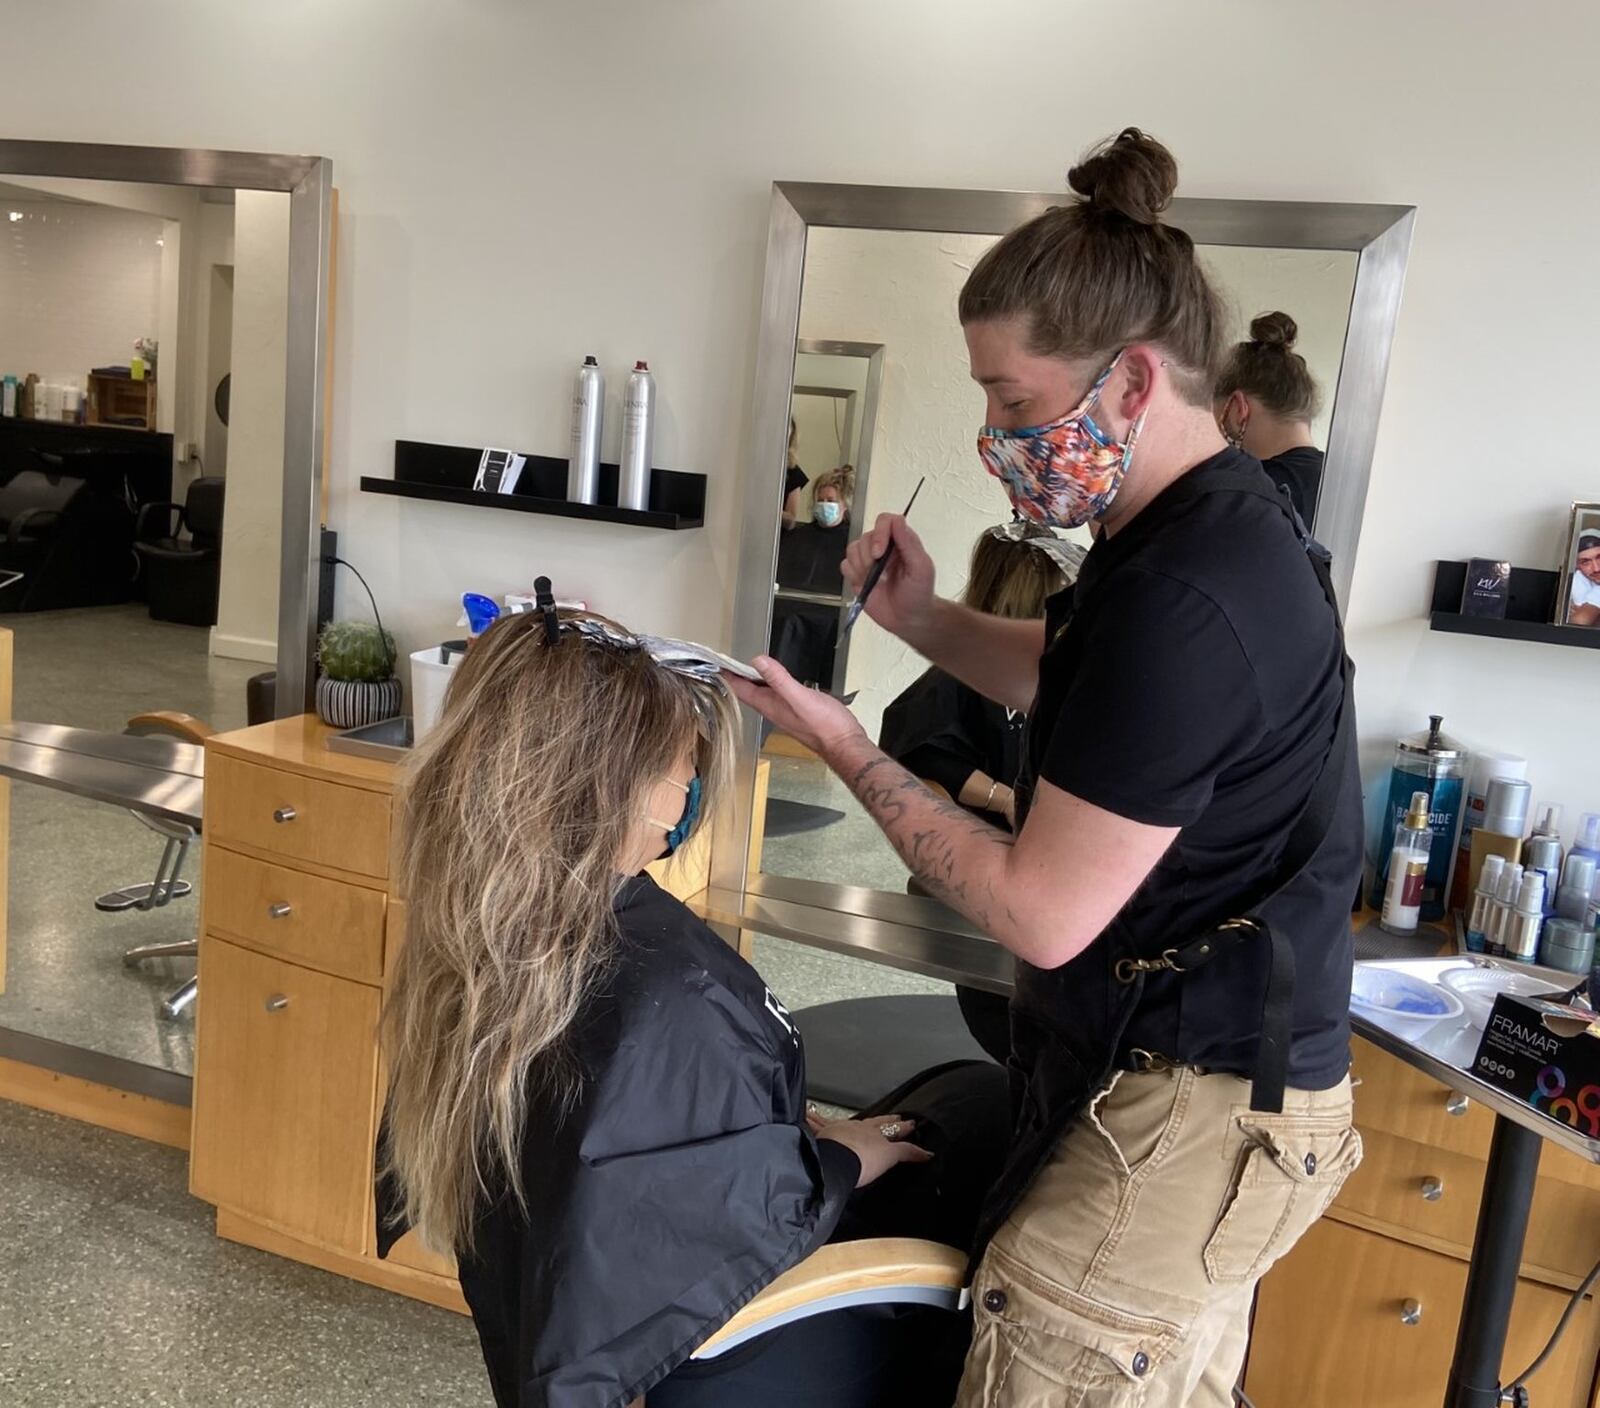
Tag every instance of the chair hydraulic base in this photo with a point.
(178, 1002)
(140, 896)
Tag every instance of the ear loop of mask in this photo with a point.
(678, 831)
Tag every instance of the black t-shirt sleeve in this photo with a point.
(1164, 701)
(794, 478)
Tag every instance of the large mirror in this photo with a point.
(884, 267)
(162, 352)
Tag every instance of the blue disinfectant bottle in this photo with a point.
(1432, 763)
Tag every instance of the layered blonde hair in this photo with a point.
(517, 812)
(842, 480)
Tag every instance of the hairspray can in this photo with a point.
(638, 438)
(588, 415)
(1431, 763)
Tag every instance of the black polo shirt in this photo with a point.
(1299, 471)
(1192, 679)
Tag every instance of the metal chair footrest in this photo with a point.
(138, 896)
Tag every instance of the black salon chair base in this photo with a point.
(858, 1048)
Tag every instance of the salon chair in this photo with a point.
(183, 574)
(38, 515)
(166, 886)
(876, 1271)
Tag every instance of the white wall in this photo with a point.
(252, 522)
(828, 427)
(642, 233)
(78, 283)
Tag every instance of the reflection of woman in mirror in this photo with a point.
(1583, 606)
(1190, 759)
(795, 479)
(1266, 401)
(595, 1103)
(805, 634)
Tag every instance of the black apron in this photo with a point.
(1054, 1081)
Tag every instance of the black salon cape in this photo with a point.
(944, 731)
(681, 1183)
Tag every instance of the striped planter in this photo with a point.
(352, 703)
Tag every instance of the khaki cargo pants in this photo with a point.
(1125, 1275)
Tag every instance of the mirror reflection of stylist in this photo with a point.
(794, 480)
(1266, 401)
(1190, 762)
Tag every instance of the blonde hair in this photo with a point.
(1008, 578)
(516, 812)
(842, 480)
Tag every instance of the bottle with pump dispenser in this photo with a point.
(1407, 869)
(588, 418)
(1521, 935)
(1501, 912)
(1542, 852)
(638, 438)
(1482, 908)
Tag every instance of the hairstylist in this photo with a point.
(1182, 1092)
(1266, 400)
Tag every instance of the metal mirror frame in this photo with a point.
(920, 934)
(873, 353)
(308, 182)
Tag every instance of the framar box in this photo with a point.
(1547, 1055)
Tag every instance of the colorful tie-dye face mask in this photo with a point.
(1064, 474)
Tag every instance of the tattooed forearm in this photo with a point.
(960, 859)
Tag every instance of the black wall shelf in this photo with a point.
(1530, 609)
(444, 474)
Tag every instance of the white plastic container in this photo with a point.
(429, 680)
(1408, 1006)
(1478, 987)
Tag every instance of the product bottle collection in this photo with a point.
(638, 436)
(1520, 896)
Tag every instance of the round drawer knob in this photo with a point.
(283, 814)
(1411, 1312)
(1457, 1104)
(276, 1003)
(1432, 1189)
(278, 911)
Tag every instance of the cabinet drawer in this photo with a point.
(326, 924)
(1393, 1097)
(286, 1075)
(1396, 1174)
(299, 818)
(1363, 1351)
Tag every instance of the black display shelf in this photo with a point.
(1530, 609)
(444, 474)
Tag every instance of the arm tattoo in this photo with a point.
(955, 855)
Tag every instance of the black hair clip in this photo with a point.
(544, 599)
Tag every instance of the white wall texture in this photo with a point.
(78, 283)
(623, 202)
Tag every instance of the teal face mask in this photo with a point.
(828, 515)
(679, 833)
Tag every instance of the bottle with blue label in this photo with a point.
(1425, 762)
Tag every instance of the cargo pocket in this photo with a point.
(1047, 1344)
(1290, 1170)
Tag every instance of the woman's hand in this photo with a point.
(903, 601)
(808, 715)
(877, 1151)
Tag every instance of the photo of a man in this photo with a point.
(1583, 601)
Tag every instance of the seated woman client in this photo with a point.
(594, 1102)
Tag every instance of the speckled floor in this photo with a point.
(65, 979)
(115, 1291)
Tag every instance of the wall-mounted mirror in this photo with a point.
(885, 266)
(162, 350)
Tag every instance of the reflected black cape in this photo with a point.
(944, 731)
(681, 1183)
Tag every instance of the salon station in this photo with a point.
(814, 744)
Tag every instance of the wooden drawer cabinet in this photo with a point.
(1433, 1194)
(330, 925)
(1393, 1097)
(297, 818)
(1354, 1317)
(286, 1072)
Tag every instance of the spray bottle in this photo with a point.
(1407, 869)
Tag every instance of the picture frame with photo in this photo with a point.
(1578, 600)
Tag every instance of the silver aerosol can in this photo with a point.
(638, 438)
(588, 415)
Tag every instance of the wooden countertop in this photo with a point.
(300, 745)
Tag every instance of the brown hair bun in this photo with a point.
(1274, 330)
(1132, 175)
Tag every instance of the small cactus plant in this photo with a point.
(356, 651)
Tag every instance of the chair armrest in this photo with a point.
(145, 510)
(875, 1271)
(31, 518)
(172, 723)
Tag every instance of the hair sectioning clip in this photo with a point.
(544, 599)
